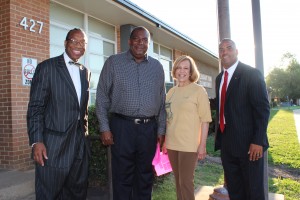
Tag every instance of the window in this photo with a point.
(99, 51)
(101, 46)
(164, 55)
(56, 42)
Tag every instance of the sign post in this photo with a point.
(28, 69)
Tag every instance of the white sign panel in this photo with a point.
(28, 69)
(206, 80)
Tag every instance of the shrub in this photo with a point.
(98, 163)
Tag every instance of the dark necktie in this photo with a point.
(223, 97)
(74, 63)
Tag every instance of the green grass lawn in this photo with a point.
(210, 146)
(288, 187)
(206, 174)
(284, 151)
(284, 145)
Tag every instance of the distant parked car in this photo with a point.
(285, 104)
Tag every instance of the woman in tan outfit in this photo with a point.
(188, 117)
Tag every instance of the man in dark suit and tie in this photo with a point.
(243, 111)
(57, 122)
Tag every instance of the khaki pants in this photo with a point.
(183, 165)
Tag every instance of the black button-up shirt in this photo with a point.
(132, 89)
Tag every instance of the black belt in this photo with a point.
(136, 120)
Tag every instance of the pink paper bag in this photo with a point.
(161, 162)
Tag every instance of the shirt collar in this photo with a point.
(231, 69)
(130, 56)
(67, 59)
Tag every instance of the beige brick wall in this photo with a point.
(118, 31)
(15, 43)
(177, 53)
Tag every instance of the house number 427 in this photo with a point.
(31, 24)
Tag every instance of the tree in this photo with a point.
(277, 80)
(285, 79)
(293, 71)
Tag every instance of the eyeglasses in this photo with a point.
(139, 40)
(75, 42)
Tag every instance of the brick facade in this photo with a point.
(177, 53)
(15, 43)
(118, 31)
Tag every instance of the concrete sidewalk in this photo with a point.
(297, 122)
(15, 185)
(19, 185)
(203, 192)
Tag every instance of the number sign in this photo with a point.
(32, 25)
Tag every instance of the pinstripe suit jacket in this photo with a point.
(246, 111)
(53, 110)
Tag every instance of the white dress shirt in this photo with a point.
(75, 75)
(230, 72)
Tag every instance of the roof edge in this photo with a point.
(130, 5)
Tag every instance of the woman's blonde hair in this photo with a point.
(194, 72)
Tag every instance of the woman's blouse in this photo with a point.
(187, 107)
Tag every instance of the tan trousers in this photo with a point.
(183, 165)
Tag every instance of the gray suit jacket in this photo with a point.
(53, 110)
(246, 111)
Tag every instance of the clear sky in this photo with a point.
(198, 20)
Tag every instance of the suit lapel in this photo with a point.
(84, 84)
(234, 81)
(218, 81)
(65, 75)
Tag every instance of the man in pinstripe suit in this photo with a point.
(57, 123)
(243, 137)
